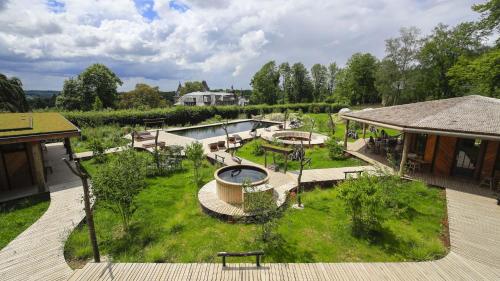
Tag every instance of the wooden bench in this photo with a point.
(347, 173)
(257, 255)
(219, 159)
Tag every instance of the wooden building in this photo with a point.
(457, 137)
(22, 147)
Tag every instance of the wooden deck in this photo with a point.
(474, 223)
(37, 253)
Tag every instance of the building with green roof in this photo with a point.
(23, 151)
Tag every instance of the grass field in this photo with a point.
(16, 217)
(319, 158)
(169, 226)
(322, 127)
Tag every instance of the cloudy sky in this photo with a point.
(161, 42)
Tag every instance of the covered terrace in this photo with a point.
(454, 139)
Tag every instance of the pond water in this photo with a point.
(216, 130)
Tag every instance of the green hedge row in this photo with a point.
(181, 115)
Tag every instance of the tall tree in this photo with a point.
(320, 82)
(71, 95)
(394, 74)
(302, 88)
(479, 75)
(98, 81)
(356, 82)
(265, 84)
(286, 81)
(333, 71)
(193, 86)
(441, 51)
(12, 95)
(95, 85)
(143, 96)
(490, 17)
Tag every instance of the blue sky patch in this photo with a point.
(145, 8)
(56, 6)
(178, 6)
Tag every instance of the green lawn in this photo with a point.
(15, 217)
(169, 226)
(319, 155)
(322, 127)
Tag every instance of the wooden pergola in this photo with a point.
(276, 149)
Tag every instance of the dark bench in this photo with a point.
(346, 173)
(257, 255)
(219, 159)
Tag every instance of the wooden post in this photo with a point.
(35, 157)
(69, 151)
(286, 161)
(265, 158)
(133, 138)
(79, 172)
(345, 133)
(364, 130)
(404, 157)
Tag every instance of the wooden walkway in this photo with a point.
(37, 253)
(474, 223)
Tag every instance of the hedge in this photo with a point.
(182, 115)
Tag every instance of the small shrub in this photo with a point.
(116, 183)
(364, 200)
(98, 150)
(194, 153)
(256, 148)
(335, 149)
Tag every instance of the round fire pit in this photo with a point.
(230, 179)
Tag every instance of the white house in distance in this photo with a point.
(210, 98)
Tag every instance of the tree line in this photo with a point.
(448, 62)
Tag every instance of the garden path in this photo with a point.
(38, 252)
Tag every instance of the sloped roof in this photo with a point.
(469, 115)
(16, 127)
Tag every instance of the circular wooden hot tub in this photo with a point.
(230, 179)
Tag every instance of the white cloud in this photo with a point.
(221, 41)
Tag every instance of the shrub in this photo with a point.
(365, 199)
(181, 115)
(98, 149)
(335, 149)
(194, 153)
(116, 183)
(256, 148)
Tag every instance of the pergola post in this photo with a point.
(69, 150)
(404, 156)
(364, 130)
(345, 133)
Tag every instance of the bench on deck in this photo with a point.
(347, 173)
(257, 255)
(219, 159)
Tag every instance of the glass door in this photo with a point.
(466, 156)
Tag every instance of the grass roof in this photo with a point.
(27, 124)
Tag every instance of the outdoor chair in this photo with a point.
(237, 138)
(213, 147)
(142, 136)
(221, 144)
(231, 140)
